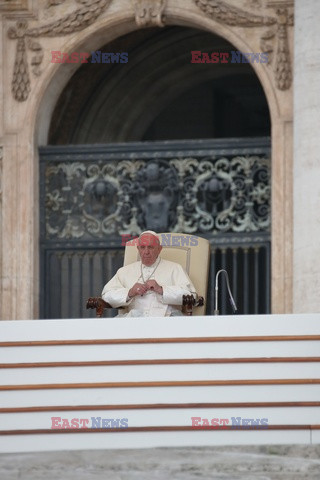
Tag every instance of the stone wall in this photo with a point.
(306, 172)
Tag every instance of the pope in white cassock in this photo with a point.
(150, 287)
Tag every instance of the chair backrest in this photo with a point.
(190, 251)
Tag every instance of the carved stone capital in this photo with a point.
(149, 13)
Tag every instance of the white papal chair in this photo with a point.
(191, 252)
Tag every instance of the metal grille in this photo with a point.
(91, 195)
(72, 275)
(248, 267)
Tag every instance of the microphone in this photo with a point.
(233, 304)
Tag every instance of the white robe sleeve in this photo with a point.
(116, 293)
(181, 285)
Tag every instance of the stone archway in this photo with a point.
(21, 139)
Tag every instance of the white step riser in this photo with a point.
(209, 326)
(168, 328)
(150, 373)
(114, 396)
(82, 353)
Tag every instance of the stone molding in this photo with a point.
(278, 25)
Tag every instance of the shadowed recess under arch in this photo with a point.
(159, 94)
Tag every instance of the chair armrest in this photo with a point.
(188, 302)
(99, 304)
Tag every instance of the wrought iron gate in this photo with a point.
(92, 195)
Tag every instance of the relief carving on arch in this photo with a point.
(273, 41)
(26, 37)
(149, 13)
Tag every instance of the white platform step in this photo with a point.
(145, 381)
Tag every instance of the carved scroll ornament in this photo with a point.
(75, 21)
(278, 25)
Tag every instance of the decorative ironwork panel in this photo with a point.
(91, 195)
(205, 192)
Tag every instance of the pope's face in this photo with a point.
(149, 249)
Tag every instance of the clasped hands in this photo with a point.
(142, 288)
